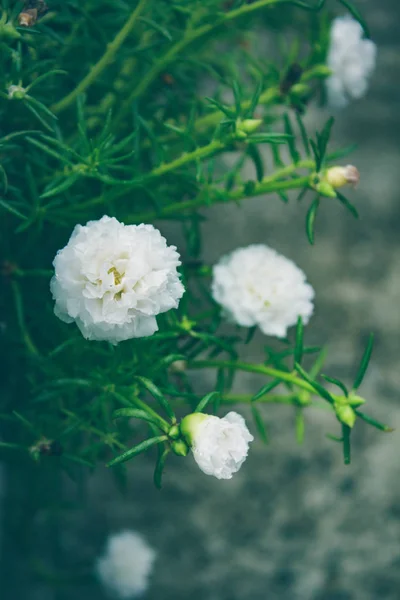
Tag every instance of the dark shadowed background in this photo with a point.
(295, 523)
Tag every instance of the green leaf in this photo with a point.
(347, 204)
(157, 394)
(164, 32)
(298, 350)
(319, 363)
(158, 471)
(259, 423)
(346, 431)
(250, 334)
(221, 107)
(294, 153)
(255, 156)
(334, 438)
(254, 101)
(137, 450)
(238, 97)
(336, 382)
(310, 219)
(357, 15)
(205, 400)
(268, 138)
(10, 208)
(322, 141)
(373, 422)
(318, 388)
(135, 413)
(266, 389)
(364, 362)
(62, 187)
(303, 132)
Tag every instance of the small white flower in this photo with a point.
(258, 286)
(351, 59)
(219, 446)
(125, 567)
(113, 279)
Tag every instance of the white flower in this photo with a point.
(219, 446)
(258, 286)
(126, 564)
(351, 59)
(113, 279)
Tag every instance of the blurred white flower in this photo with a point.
(219, 446)
(352, 60)
(126, 565)
(258, 286)
(113, 279)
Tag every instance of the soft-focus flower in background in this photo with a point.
(351, 59)
(126, 565)
(257, 286)
(219, 446)
(113, 279)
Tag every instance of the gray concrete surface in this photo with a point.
(295, 523)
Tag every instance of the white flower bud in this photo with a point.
(125, 567)
(258, 286)
(338, 176)
(113, 279)
(16, 92)
(219, 446)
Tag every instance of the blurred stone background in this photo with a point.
(295, 523)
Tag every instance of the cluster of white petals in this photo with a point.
(126, 565)
(257, 286)
(113, 279)
(351, 59)
(219, 446)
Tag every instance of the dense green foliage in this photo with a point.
(103, 112)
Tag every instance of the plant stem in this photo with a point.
(264, 187)
(188, 38)
(214, 118)
(21, 320)
(104, 61)
(261, 369)
(187, 157)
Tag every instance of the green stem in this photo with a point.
(264, 187)
(164, 425)
(104, 61)
(251, 368)
(186, 158)
(215, 117)
(187, 40)
(21, 320)
(267, 399)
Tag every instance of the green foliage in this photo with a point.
(103, 112)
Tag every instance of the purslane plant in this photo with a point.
(105, 128)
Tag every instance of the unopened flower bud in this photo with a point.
(28, 17)
(337, 177)
(16, 92)
(179, 366)
(174, 433)
(247, 126)
(180, 448)
(319, 183)
(345, 414)
(355, 400)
